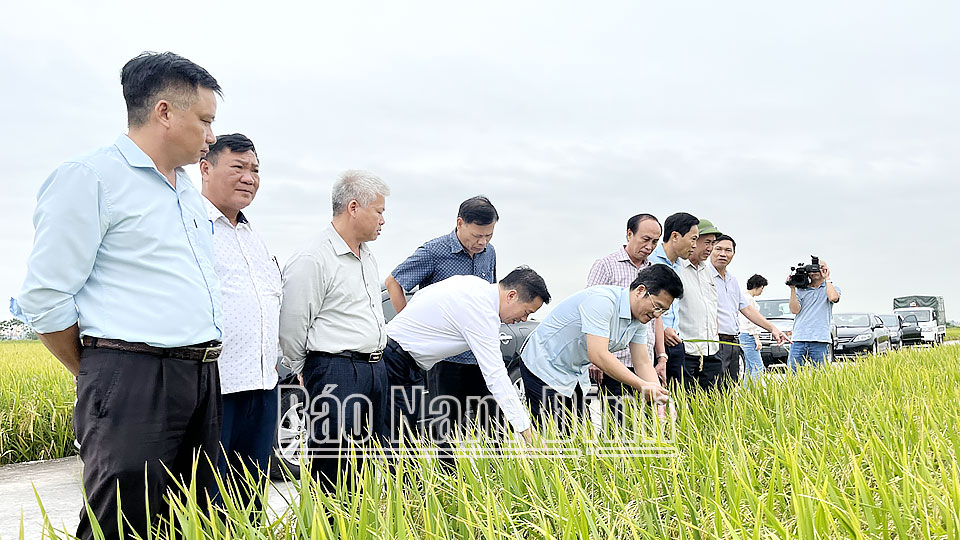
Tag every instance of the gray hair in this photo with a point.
(361, 186)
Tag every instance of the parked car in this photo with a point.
(894, 323)
(778, 313)
(291, 431)
(861, 333)
(911, 332)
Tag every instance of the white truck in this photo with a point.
(930, 315)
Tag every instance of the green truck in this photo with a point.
(930, 314)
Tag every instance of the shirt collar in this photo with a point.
(457, 247)
(660, 252)
(214, 213)
(625, 311)
(713, 270)
(623, 256)
(134, 155)
(340, 246)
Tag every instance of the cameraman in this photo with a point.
(813, 307)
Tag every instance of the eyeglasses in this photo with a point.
(657, 310)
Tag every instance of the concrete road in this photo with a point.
(57, 483)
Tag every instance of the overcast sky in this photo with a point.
(826, 128)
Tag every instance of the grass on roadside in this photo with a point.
(865, 449)
(36, 404)
(953, 334)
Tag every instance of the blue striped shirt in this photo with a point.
(443, 257)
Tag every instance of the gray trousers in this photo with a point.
(730, 358)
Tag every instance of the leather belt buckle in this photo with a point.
(375, 357)
(210, 354)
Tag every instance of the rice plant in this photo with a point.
(863, 449)
(36, 404)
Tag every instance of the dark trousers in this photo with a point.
(701, 371)
(618, 392)
(247, 435)
(407, 383)
(347, 412)
(463, 386)
(138, 415)
(729, 356)
(675, 361)
(546, 403)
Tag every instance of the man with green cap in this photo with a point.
(697, 313)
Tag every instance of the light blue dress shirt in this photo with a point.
(816, 315)
(730, 300)
(118, 249)
(556, 350)
(669, 317)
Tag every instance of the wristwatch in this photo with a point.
(662, 355)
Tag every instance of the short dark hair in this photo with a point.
(149, 75)
(723, 237)
(681, 223)
(528, 284)
(478, 211)
(657, 278)
(235, 142)
(635, 221)
(756, 281)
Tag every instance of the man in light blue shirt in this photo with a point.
(123, 258)
(680, 233)
(587, 328)
(813, 307)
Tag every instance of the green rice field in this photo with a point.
(36, 404)
(953, 334)
(863, 449)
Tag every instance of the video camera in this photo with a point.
(800, 274)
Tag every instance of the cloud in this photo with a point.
(818, 128)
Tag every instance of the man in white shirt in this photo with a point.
(250, 288)
(731, 303)
(697, 319)
(332, 327)
(447, 318)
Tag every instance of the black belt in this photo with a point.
(201, 352)
(371, 358)
(730, 338)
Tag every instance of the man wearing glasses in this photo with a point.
(586, 329)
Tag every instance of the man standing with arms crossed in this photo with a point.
(464, 251)
(332, 327)
(679, 238)
(620, 268)
(122, 262)
(250, 284)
